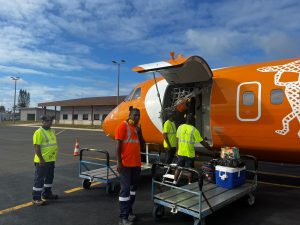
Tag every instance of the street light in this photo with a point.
(15, 79)
(118, 63)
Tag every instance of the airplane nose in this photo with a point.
(105, 125)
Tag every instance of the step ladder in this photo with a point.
(168, 177)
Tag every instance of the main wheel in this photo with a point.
(158, 211)
(86, 184)
(251, 199)
(199, 222)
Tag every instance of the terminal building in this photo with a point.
(83, 111)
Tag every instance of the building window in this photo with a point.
(75, 117)
(104, 116)
(65, 116)
(248, 98)
(136, 94)
(276, 96)
(96, 116)
(85, 117)
(31, 117)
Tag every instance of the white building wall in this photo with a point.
(80, 111)
(38, 112)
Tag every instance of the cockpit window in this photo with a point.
(127, 99)
(136, 94)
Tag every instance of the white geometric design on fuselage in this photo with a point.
(153, 107)
(292, 92)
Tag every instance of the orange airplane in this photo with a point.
(254, 107)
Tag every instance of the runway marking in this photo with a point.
(279, 174)
(4, 211)
(278, 185)
(80, 188)
(15, 208)
(60, 132)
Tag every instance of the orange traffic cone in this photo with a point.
(76, 148)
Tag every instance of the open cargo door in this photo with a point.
(192, 69)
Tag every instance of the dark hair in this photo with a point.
(190, 118)
(47, 118)
(131, 110)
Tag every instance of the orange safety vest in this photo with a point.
(130, 150)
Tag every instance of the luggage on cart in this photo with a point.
(208, 170)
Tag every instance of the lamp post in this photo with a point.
(118, 63)
(15, 79)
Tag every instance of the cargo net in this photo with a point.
(179, 95)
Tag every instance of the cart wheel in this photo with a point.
(251, 199)
(109, 188)
(199, 222)
(158, 211)
(86, 184)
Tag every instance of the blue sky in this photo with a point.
(62, 49)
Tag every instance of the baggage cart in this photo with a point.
(200, 198)
(103, 170)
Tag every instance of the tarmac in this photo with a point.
(277, 195)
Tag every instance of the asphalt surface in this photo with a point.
(277, 195)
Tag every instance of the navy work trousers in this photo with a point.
(43, 179)
(129, 181)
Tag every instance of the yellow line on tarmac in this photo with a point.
(279, 185)
(80, 188)
(4, 211)
(279, 174)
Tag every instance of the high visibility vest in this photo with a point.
(47, 140)
(187, 136)
(130, 153)
(132, 137)
(170, 130)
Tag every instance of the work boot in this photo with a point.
(39, 202)
(125, 222)
(132, 217)
(50, 197)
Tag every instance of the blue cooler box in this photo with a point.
(228, 177)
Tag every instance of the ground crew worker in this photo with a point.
(45, 147)
(169, 134)
(128, 136)
(187, 136)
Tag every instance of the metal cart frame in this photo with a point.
(105, 172)
(201, 198)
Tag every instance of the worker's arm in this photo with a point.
(206, 145)
(37, 150)
(165, 135)
(119, 159)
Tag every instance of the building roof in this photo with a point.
(34, 108)
(95, 101)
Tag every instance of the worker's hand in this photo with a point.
(42, 162)
(119, 167)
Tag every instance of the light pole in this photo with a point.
(15, 79)
(118, 63)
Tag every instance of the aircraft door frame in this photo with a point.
(258, 101)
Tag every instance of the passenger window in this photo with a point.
(248, 98)
(136, 94)
(277, 96)
(127, 99)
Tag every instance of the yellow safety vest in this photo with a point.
(187, 136)
(170, 130)
(47, 140)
